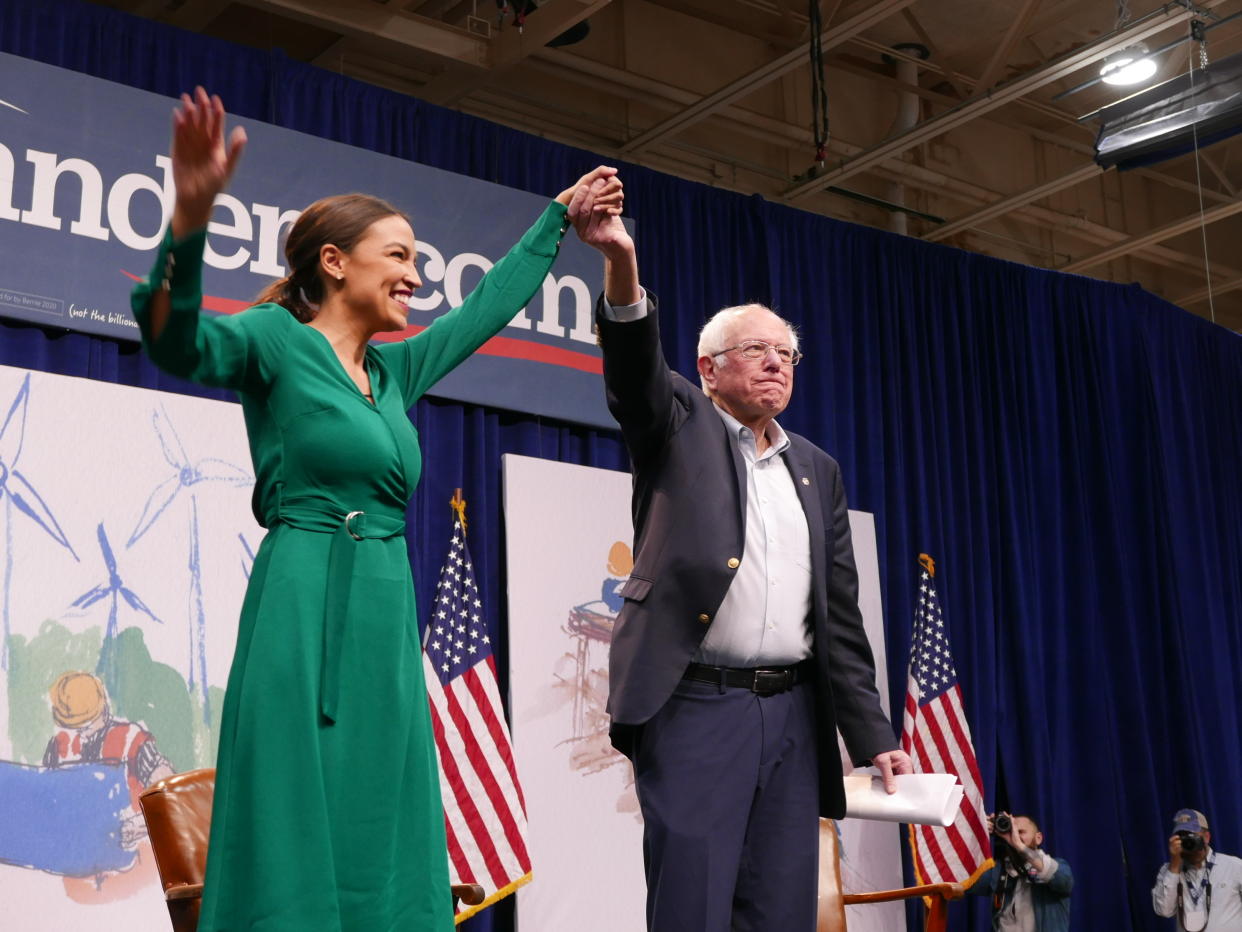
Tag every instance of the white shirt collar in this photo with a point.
(778, 440)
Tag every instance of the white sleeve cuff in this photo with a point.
(627, 313)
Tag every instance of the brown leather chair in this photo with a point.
(178, 814)
(832, 901)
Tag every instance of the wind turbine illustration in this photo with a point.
(183, 483)
(19, 495)
(113, 589)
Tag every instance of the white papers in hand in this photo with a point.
(921, 798)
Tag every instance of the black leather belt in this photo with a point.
(765, 681)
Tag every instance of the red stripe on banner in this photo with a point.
(513, 348)
(933, 728)
(469, 811)
(495, 727)
(501, 801)
(224, 305)
(504, 347)
(478, 763)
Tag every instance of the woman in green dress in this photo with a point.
(327, 812)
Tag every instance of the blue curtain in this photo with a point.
(1066, 449)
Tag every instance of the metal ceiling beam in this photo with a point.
(991, 70)
(988, 100)
(1044, 218)
(510, 47)
(1013, 202)
(1168, 231)
(1206, 291)
(749, 83)
(364, 18)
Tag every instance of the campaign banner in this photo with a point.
(86, 186)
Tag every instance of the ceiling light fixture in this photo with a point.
(1132, 65)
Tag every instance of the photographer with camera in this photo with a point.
(1198, 885)
(1030, 890)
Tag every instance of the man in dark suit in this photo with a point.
(740, 648)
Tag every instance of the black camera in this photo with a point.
(1191, 842)
(1003, 825)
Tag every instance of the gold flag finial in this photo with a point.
(458, 504)
(928, 564)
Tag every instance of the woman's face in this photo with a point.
(378, 274)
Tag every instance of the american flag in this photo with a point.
(484, 810)
(937, 738)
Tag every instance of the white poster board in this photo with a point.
(568, 536)
(125, 544)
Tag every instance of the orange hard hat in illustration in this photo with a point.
(77, 698)
(620, 559)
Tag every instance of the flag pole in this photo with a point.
(458, 504)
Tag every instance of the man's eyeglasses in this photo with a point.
(757, 349)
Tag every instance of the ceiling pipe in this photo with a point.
(906, 71)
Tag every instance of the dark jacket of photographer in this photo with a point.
(1050, 901)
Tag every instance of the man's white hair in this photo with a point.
(715, 334)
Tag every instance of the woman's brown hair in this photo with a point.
(340, 220)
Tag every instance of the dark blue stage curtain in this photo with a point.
(1067, 450)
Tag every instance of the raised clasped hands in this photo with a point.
(202, 162)
(595, 205)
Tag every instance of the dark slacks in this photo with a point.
(728, 784)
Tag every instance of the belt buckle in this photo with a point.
(770, 682)
(350, 517)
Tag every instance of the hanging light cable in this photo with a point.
(1197, 34)
(819, 90)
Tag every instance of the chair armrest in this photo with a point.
(469, 893)
(184, 891)
(944, 891)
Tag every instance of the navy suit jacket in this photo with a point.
(689, 511)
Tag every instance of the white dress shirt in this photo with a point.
(763, 620)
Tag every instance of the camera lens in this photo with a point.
(1004, 825)
(1191, 842)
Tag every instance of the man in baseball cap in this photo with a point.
(1198, 885)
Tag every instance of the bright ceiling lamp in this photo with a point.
(1132, 65)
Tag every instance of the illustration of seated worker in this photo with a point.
(620, 563)
(87, 733)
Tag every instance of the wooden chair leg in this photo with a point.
(937, 915)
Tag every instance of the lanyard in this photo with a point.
(1195, 891)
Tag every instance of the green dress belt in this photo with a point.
(347, 534)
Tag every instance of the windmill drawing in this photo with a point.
(247, 561)
(19, 495)
(184, 484)
(113, 589)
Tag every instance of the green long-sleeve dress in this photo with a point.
(327, 812)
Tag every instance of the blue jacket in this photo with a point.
(1051, 900)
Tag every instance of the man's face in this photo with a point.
(1028, 834)
(751, 389)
